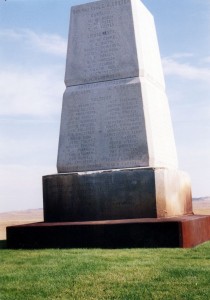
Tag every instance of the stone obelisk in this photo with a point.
(116, 152)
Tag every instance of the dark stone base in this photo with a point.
(184, 232)
(114, 195)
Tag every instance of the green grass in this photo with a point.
(105, 274)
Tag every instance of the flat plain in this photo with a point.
(17, 218)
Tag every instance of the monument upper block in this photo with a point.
(112, 39)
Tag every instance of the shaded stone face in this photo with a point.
(111, 40)
(103, 127)
(101, 43)
(106, 196)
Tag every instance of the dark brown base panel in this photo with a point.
(184, 232)
(113, 195)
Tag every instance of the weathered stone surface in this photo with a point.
(125, 194)
(115, 124)
(173, 193)
(102, 127)
(110, 40)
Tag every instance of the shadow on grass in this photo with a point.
(3, 244)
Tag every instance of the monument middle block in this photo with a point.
(113, 125)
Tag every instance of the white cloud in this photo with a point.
(182, 55)
(206, 60)
(31, 89)
(48, 43)
(53, 44)
(185, 70)
(31, 92)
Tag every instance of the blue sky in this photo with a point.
(33, 40)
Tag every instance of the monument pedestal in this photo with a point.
(119, 194)
(184, 232)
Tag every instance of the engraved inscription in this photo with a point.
(100, 39)
(99, 6)
(103, 128)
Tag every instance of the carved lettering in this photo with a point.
(104, 126)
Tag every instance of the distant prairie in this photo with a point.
(201, 205)
(17, 218)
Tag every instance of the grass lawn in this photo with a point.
(105, 274)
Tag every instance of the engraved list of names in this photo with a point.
(99, 48)
(103, 127)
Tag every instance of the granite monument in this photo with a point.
(115, 117)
